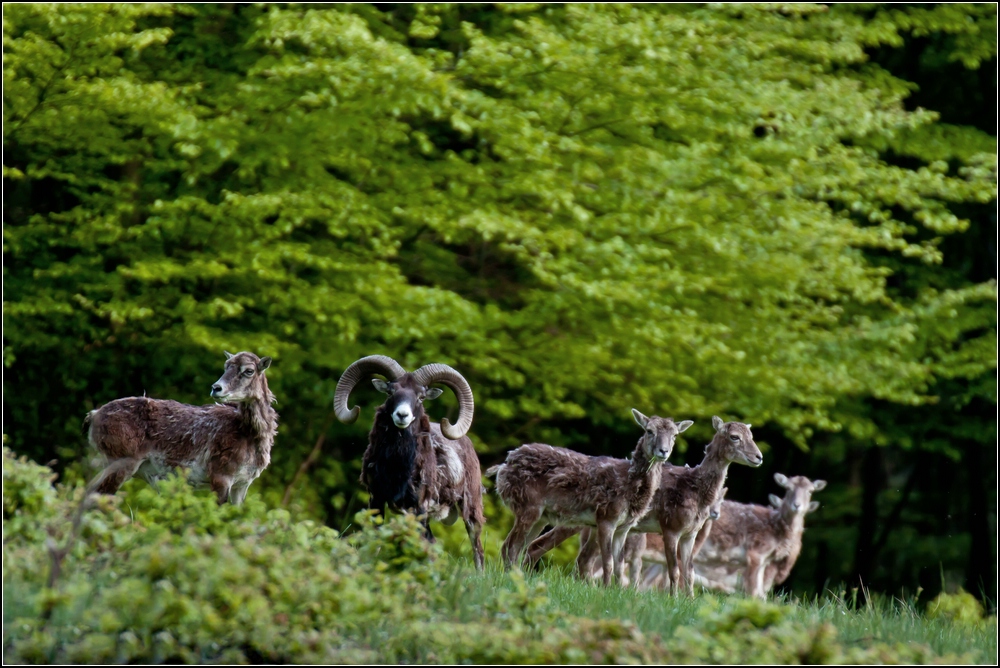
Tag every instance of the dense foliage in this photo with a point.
(687, 209)
(173, 577)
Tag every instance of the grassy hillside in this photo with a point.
(171, 577)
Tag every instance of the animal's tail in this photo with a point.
(492, 471)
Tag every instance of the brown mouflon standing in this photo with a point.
(545, 485)
(224, 445)
(686, 496)
(755, 544)
(683, 501)
(412, 464)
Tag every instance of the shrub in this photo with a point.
(172, 577)
(28, 497)
(960, 607)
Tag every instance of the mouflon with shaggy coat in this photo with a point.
(546, 485)
(682, 502)
(686, 496)
(756, 544)
(224, 445)
(412, 464)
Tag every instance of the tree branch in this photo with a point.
(309, 461)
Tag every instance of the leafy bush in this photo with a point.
(959, 607)
(28, 496)
(172, 577)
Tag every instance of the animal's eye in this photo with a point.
(248, 373)
(649, 431)
(734, 437)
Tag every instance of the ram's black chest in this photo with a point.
(389, 465)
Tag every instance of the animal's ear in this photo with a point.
(813, 506)
(433, 393)
(640, 419)
(381, 386)
(781, 480)
(683, 426)
(717, 422)
(818, 485)
(229, 355)
(263, 364)
(775, 501)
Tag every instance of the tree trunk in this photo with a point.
(864, 554)
(981, 573)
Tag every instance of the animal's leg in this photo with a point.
(516, 539)
(770, 575)
(548, 541)
(590, 551)
(684, 549)
(618, 552)
(706, 530)
(761, 591)
(635, 545)
(221, 485)
(753, 578)
(590, 554)
(672, 572)
(605, 537)
(474, 529)
(116, 473)
(472, 516)
(536, 529)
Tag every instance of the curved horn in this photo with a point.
(380, 364)
(442, 373)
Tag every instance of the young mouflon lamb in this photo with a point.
(683, 501)
(412, 464)
(686, 496)
(545, 485)
(756, 544)
(224, 445)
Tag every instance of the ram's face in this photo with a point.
(405, 402)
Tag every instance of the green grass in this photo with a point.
(883, 619)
